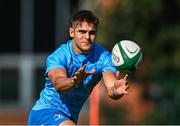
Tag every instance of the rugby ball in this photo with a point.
(126, 55)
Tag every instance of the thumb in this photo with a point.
(118, 75)
(84, 67)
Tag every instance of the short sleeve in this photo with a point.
(55, 60)
(107, 63)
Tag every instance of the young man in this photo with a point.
(72, 71)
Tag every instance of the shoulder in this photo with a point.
(100, 50)
(62, 48)
(60, 53)
(58, 58)
(100, 47)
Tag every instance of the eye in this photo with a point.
(82, 31)
(93, 32)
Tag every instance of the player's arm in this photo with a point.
(64, 83)
(116, 87)
(60, 80)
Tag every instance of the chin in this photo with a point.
(87, 49)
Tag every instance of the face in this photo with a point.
(83, 34)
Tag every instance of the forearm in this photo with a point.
(63, 84)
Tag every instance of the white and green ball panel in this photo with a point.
(126, 55)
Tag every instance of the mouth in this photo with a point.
(87, 42)
(86, 45)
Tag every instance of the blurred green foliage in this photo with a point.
(155, 26)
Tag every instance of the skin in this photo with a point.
(83, 35)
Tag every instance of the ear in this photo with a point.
(71, 32)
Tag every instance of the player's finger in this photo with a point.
(91, 72)
(84, 67)
(127, 87)
(125, 77)
(74, 78)
(126, 82)
(118, 75)
(77, 73)
(126, 93)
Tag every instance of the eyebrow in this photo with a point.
(80, 30)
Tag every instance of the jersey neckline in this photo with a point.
(69, 43)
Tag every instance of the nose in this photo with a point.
(87, 35)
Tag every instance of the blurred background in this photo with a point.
(31, 29)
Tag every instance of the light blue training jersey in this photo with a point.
(71, 102)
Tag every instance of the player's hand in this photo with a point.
(121, 85)
(81, 75)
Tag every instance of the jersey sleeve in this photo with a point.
(55, 60)
(108, 65)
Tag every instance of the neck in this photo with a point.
(78, 50)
